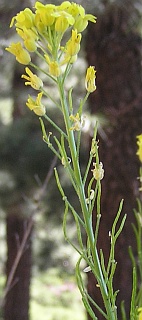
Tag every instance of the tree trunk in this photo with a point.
(16, 306)
(116, 54)
(17, 300)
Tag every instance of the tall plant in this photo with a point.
(54, 34)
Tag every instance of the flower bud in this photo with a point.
(90, 79)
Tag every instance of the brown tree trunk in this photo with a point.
(17, 300)
(16, 306)
(115, 51)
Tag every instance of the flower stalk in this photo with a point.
(42, 32)
(81, 194)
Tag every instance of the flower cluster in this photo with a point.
(41, 31)
(44, 29)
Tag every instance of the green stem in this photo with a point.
(55, 126)
(40, 69)
(81, 193)
(51, 98)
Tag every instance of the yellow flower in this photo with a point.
(78, 12)
(73, 45)
(36, 105)
(61, 24)
(98, 171)
(70, 11)
(81, 23)
(54, 69)
(72, 48)
(34, 81)
(75, 9)
(139, 143)
(62, 20)
(29, 37)
(90, 79)
(64, 6)
(49, 7)
(24, 18)
(44, 14)
(22, 56)
(68, 59)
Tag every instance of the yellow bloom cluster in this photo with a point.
(41, 31)
(139, 143)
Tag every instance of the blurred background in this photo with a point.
(31, 209)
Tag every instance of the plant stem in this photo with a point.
(81, 194)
